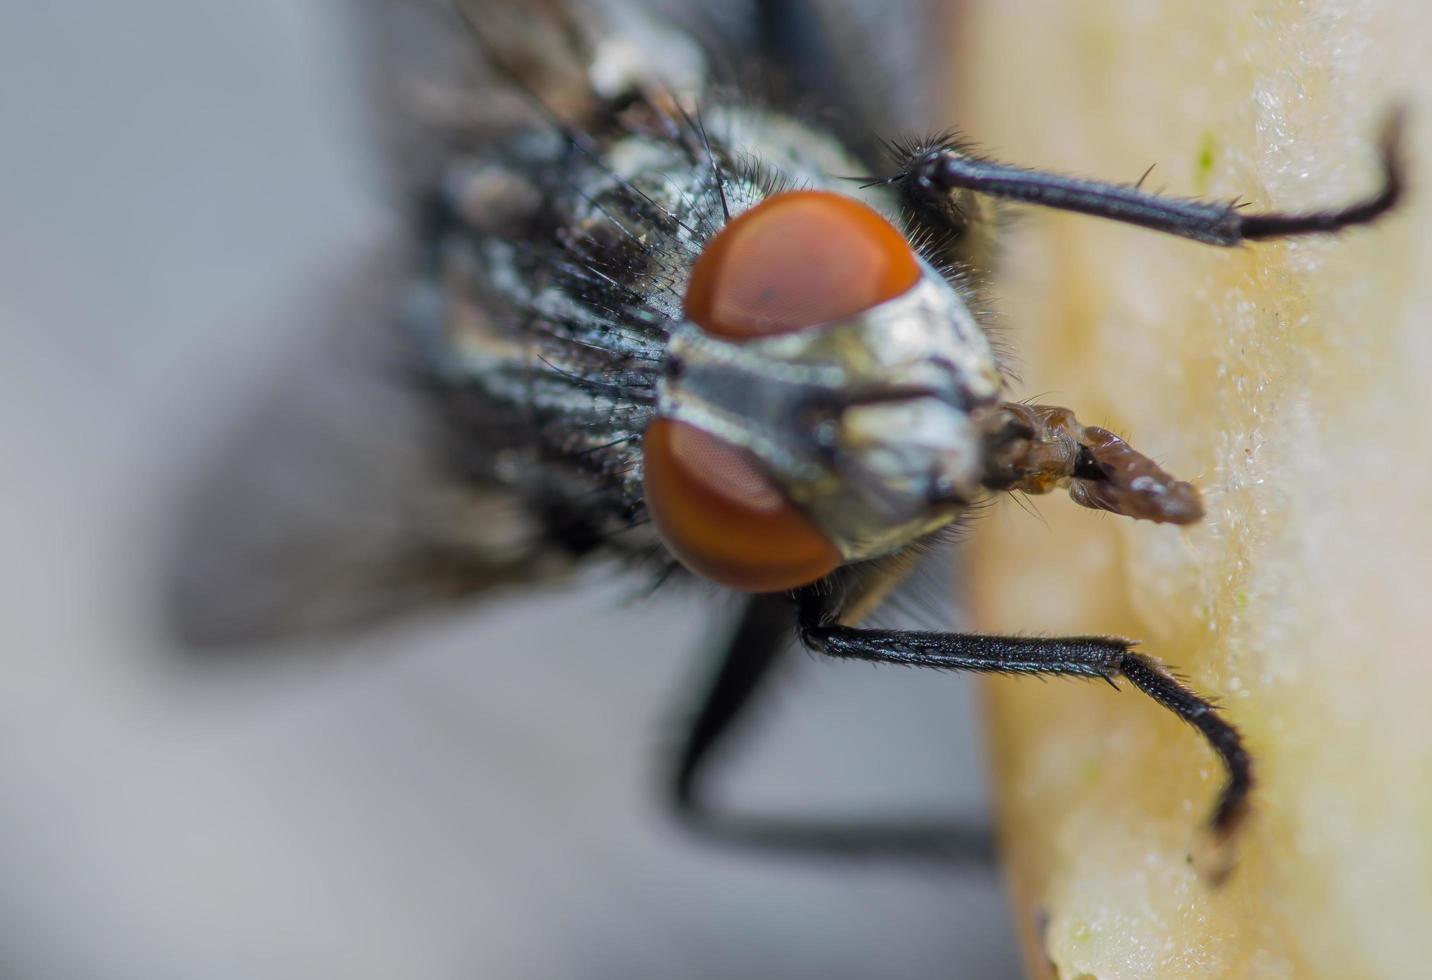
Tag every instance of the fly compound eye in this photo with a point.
(724, 518)
(797, 260)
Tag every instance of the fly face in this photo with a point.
(851, 374)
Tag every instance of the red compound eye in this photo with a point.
(797, 260)
(724, 518)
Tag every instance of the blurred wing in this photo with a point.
(330, 504)
(436, 92)
(336, 500)
(878, 63)
(448, 76)
(452, 73)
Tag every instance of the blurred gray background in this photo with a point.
(454, 795)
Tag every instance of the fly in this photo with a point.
(694, 327)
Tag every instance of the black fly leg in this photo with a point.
(931, 175)
(1101, 657)
(762, 636)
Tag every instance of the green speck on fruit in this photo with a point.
(1203, 164)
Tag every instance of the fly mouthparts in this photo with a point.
(1038, 448)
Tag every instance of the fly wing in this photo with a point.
(329, 502)
(874, 69)
(441, 84)
(895, 54)
(448, 76)
(341, 498)
(452, 74)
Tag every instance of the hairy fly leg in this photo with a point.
(761, 637)
(1102, 657)
(929, 176)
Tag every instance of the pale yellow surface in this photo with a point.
(1289, 381)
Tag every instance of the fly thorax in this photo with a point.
(871, 425)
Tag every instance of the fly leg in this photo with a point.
(759, 640)
(932, 178)
(1101, 657)
(753, 648)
